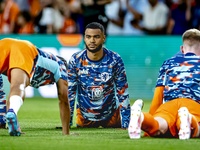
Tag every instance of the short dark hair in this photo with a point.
(63, 60)
(95, 25)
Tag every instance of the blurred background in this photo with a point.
(143, 32)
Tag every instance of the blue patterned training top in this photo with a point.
(181, 77)
(100, 84)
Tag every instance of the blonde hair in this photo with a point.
(192, 36)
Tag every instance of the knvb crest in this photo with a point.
(105, 77)
(97, 93)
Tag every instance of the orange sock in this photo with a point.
(149, 124)
(194, 126)
(178, 123)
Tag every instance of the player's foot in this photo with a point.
(134, 128)
(185, 126)
(14, 129)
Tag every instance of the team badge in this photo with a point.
(97, 92)
(105, 77)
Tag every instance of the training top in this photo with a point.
(101, 86)
(48, 70)
(43, 68)
(181, 77)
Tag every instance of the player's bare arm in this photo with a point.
(62, 86)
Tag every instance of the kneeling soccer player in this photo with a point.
(175, 109)
(176, 118)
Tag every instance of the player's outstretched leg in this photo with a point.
(13, 125)
(185, 126)
(134, 128)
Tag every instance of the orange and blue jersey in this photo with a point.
(100, 86)
(180, 77)
(179, 53)
(48, 69)
(43, 68)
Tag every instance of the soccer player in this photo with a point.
(97, 76)
(175, 109)
(25, 64)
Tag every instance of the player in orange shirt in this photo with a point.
(25, 65)
(10, 10)
(175, 109)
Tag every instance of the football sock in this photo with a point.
(15, 103)
(194, 127)
(149, 124)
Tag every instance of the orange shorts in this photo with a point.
(112, 122)
(17, 54)
(169, 112)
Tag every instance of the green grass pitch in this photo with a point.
(38, 118)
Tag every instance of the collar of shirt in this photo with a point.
(190, 54)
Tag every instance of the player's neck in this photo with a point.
(95, 56)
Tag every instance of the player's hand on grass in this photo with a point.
(61, 127)
(69, 133)
(74, 134)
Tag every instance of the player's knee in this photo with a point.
(17, 87)
(163, 125)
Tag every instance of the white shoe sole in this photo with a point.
(134, 128)
(185, 126)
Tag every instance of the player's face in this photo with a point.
(94, 39)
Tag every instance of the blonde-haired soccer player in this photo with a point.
(175, 109)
